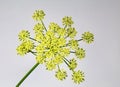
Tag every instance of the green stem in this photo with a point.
(27, 74)
(80, 40)
(43, 25)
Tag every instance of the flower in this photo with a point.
(38, 15)
(72, 64)
(24, 35)
(54, 27)
(61, 74)
(25, 47)
(67, 21)
(38, 28)
(73, 44)
(88, 37)
(40, 59)
(58, 59)
(62, 32)
(71, 32)
(50, 65)
(51, 46)
(78, 76)
(80, 53)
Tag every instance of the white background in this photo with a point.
(102, 62)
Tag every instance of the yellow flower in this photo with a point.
(62, 32)
(58, 59)
(39, 36)
(73, 44)
(88, 37)
(52, 46)
(78, 76)
(38, 15)
(25, 47)
(54, 27)
(50, 65)
(38, 28)
(65, 51)
(71, 32)
(61, 74)
(40, 59)
(80, 53)
(67, 21)
(24, 35)
(72, 64)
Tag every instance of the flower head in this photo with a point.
(73, 44)
(52, 46)
(88, 37)
(71, 32)
(61, 74)
(38, 15)
(72, 64)
(80, 53)
(78, 76)
(25, 47)
(50, 65)
(38, 28)
(54, 27)
(67, 21)
(24, 35)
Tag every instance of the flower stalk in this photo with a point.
(27, 74)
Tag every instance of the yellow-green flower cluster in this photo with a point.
(67, 21)
(88, 37)
(61, 74)
(78, 76)
(25, 47)
(80, 53)
(52, 46)
(23, 35)
(38, 15)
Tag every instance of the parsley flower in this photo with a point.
(38, 28)
(67, 21)
(61, 74)
(23, 35)
(38, 15)
(71, 32)
(80, 53)
(72, 64)
(78, 76)
(53, 45)
(25, 47)
(50, 65)
(88, 37)
(54, 27)
(73, 44)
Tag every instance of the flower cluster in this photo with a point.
(51, 46)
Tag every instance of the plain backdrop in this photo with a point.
(102, 62)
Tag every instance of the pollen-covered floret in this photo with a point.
(61, 74)
(67, 21)
(88, 37)
(38, 28)
(40, 58)
(73, 44)
(24, 35)
(50, 65)
(72, 64)
(78, 76)
(54, 27)
(25, 47)
(38, 15)
(71, 32)
(80, 53)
